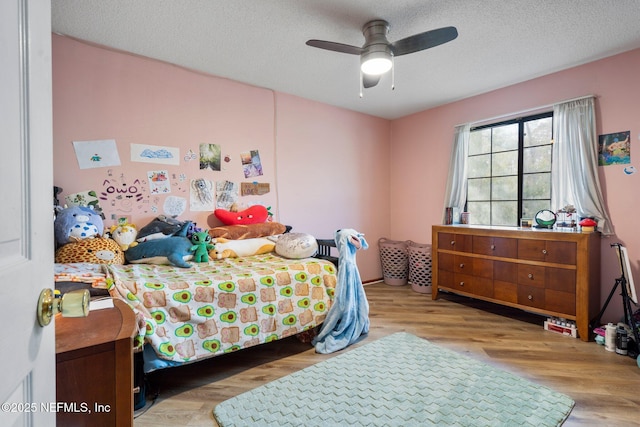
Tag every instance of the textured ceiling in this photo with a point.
(262, 42)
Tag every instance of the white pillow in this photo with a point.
(296, 245)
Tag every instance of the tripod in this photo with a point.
(626, 301)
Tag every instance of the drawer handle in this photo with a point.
(461, 265)
(544, 251)
(530, 297)
(453, 242)
(530, 276)
(493, 247)
(461, 283)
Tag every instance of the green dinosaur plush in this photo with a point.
(201, 245)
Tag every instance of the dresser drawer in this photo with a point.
(495, 246)
(465, 283)
(505, 271)
(531, 296)
(483, 268)
(560, 279)
(505, 291)
(463, 264)
(473, 284)
(445, 278)
(547, 251)
(560, 302)
(455, 242)
(531, 275)
(445, 262)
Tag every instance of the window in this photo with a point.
(509, 170)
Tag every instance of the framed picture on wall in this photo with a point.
(614, 148)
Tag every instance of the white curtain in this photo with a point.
(574, 172)
(456, 192)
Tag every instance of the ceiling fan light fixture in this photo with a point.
(376, 62)
(377, 54)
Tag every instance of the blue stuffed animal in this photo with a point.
(77, 223)
(348, 317)
(175, 249)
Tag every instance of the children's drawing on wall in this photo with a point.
(174, 206)
(87, 198)
(210, 156)
(155, 154)
(159, 182)
(226, 194)
(614, 149)
(254, 188)
(251, 164)
(96, 154)
(201, 195)
(190, 156)
(121, 195)
(179, 184)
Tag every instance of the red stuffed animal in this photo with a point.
(254, 215)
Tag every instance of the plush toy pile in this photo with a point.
(80, 238)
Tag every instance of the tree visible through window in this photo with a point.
(509, 170)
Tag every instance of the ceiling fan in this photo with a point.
(377, 53)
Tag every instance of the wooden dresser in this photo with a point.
(549, 272)
(94, 367)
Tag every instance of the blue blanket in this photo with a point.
(348, 317)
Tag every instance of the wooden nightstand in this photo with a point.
(94, 368)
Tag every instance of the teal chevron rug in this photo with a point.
(398, 380)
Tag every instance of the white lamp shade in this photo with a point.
(376, 62)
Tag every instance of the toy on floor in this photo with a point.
(201, 246)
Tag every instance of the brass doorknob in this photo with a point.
(72, 304)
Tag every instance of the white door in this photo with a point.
(27, 354)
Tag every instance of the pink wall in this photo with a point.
(334, 172)
(328, 168)
(318, 159)
(421, 146)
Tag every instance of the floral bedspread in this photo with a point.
(224, 305)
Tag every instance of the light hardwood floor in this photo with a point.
(605, 386)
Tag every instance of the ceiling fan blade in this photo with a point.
(425, 40)
(336, 47)
(369, 80)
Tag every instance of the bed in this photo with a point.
(216, 307)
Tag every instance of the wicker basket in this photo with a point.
(395, 261)
(419, 267)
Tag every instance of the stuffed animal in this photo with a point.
(201, 246)
(237, 248)
(295, 245)
(99, 250)
(124, 234)
(77, 223)
(249, 231)
(253, 215)
(348, 317)
(175, 249)
(159, 228)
